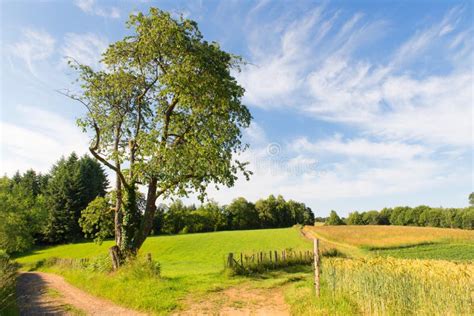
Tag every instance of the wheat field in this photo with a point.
(376, 236)
(387, 286)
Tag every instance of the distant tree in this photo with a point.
(158, 219)
(355, 218)
(215, 218)
(385, 216)
(242, 214)
(468, 218)
(371, 218)
(300, 213)
(334, 219)
(97, 220)
(320, 219)
(22, 212)
(266, 209)
(175, 218)
(471, 199)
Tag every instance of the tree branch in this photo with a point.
(93, 150)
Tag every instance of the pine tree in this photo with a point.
(73, 185)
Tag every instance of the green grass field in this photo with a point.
(438, 251)
(187, 254)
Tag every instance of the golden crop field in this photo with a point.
(376, 236)
(387, 286)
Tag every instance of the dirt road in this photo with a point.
(48, 294)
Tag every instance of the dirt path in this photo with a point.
(239, 301)
(48, 294)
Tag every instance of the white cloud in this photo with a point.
(84, 48)
(38, 141)
(360, 147)
(91, 7)
(35, 45)
(302, 178)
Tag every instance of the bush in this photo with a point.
(333, 252)
(143, 268)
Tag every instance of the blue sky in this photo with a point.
(357, 105)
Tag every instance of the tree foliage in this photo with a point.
(334, 219)
(97, 220)
(22, 211)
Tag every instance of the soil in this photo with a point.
(240, 301)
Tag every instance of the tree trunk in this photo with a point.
(118, 212)
(116, 257)
(147, 219)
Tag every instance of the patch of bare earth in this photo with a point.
(48, 294)
(239, 301)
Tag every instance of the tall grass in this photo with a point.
(8, 272)
(386, 286)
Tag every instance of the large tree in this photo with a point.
(165, 113)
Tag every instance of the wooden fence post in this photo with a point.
(230, 260)
(316, 266)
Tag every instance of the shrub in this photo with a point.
(142, 268)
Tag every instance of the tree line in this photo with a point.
(410, 216)
(40, 208)
(72, 203)
(272, 212)
(178, 218)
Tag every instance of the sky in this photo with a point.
(357, 105)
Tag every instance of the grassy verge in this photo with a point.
(8, 273)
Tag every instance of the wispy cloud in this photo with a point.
(400, 99)
(84, 48)
(91, 7)
(360, 147)
(35, 45)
